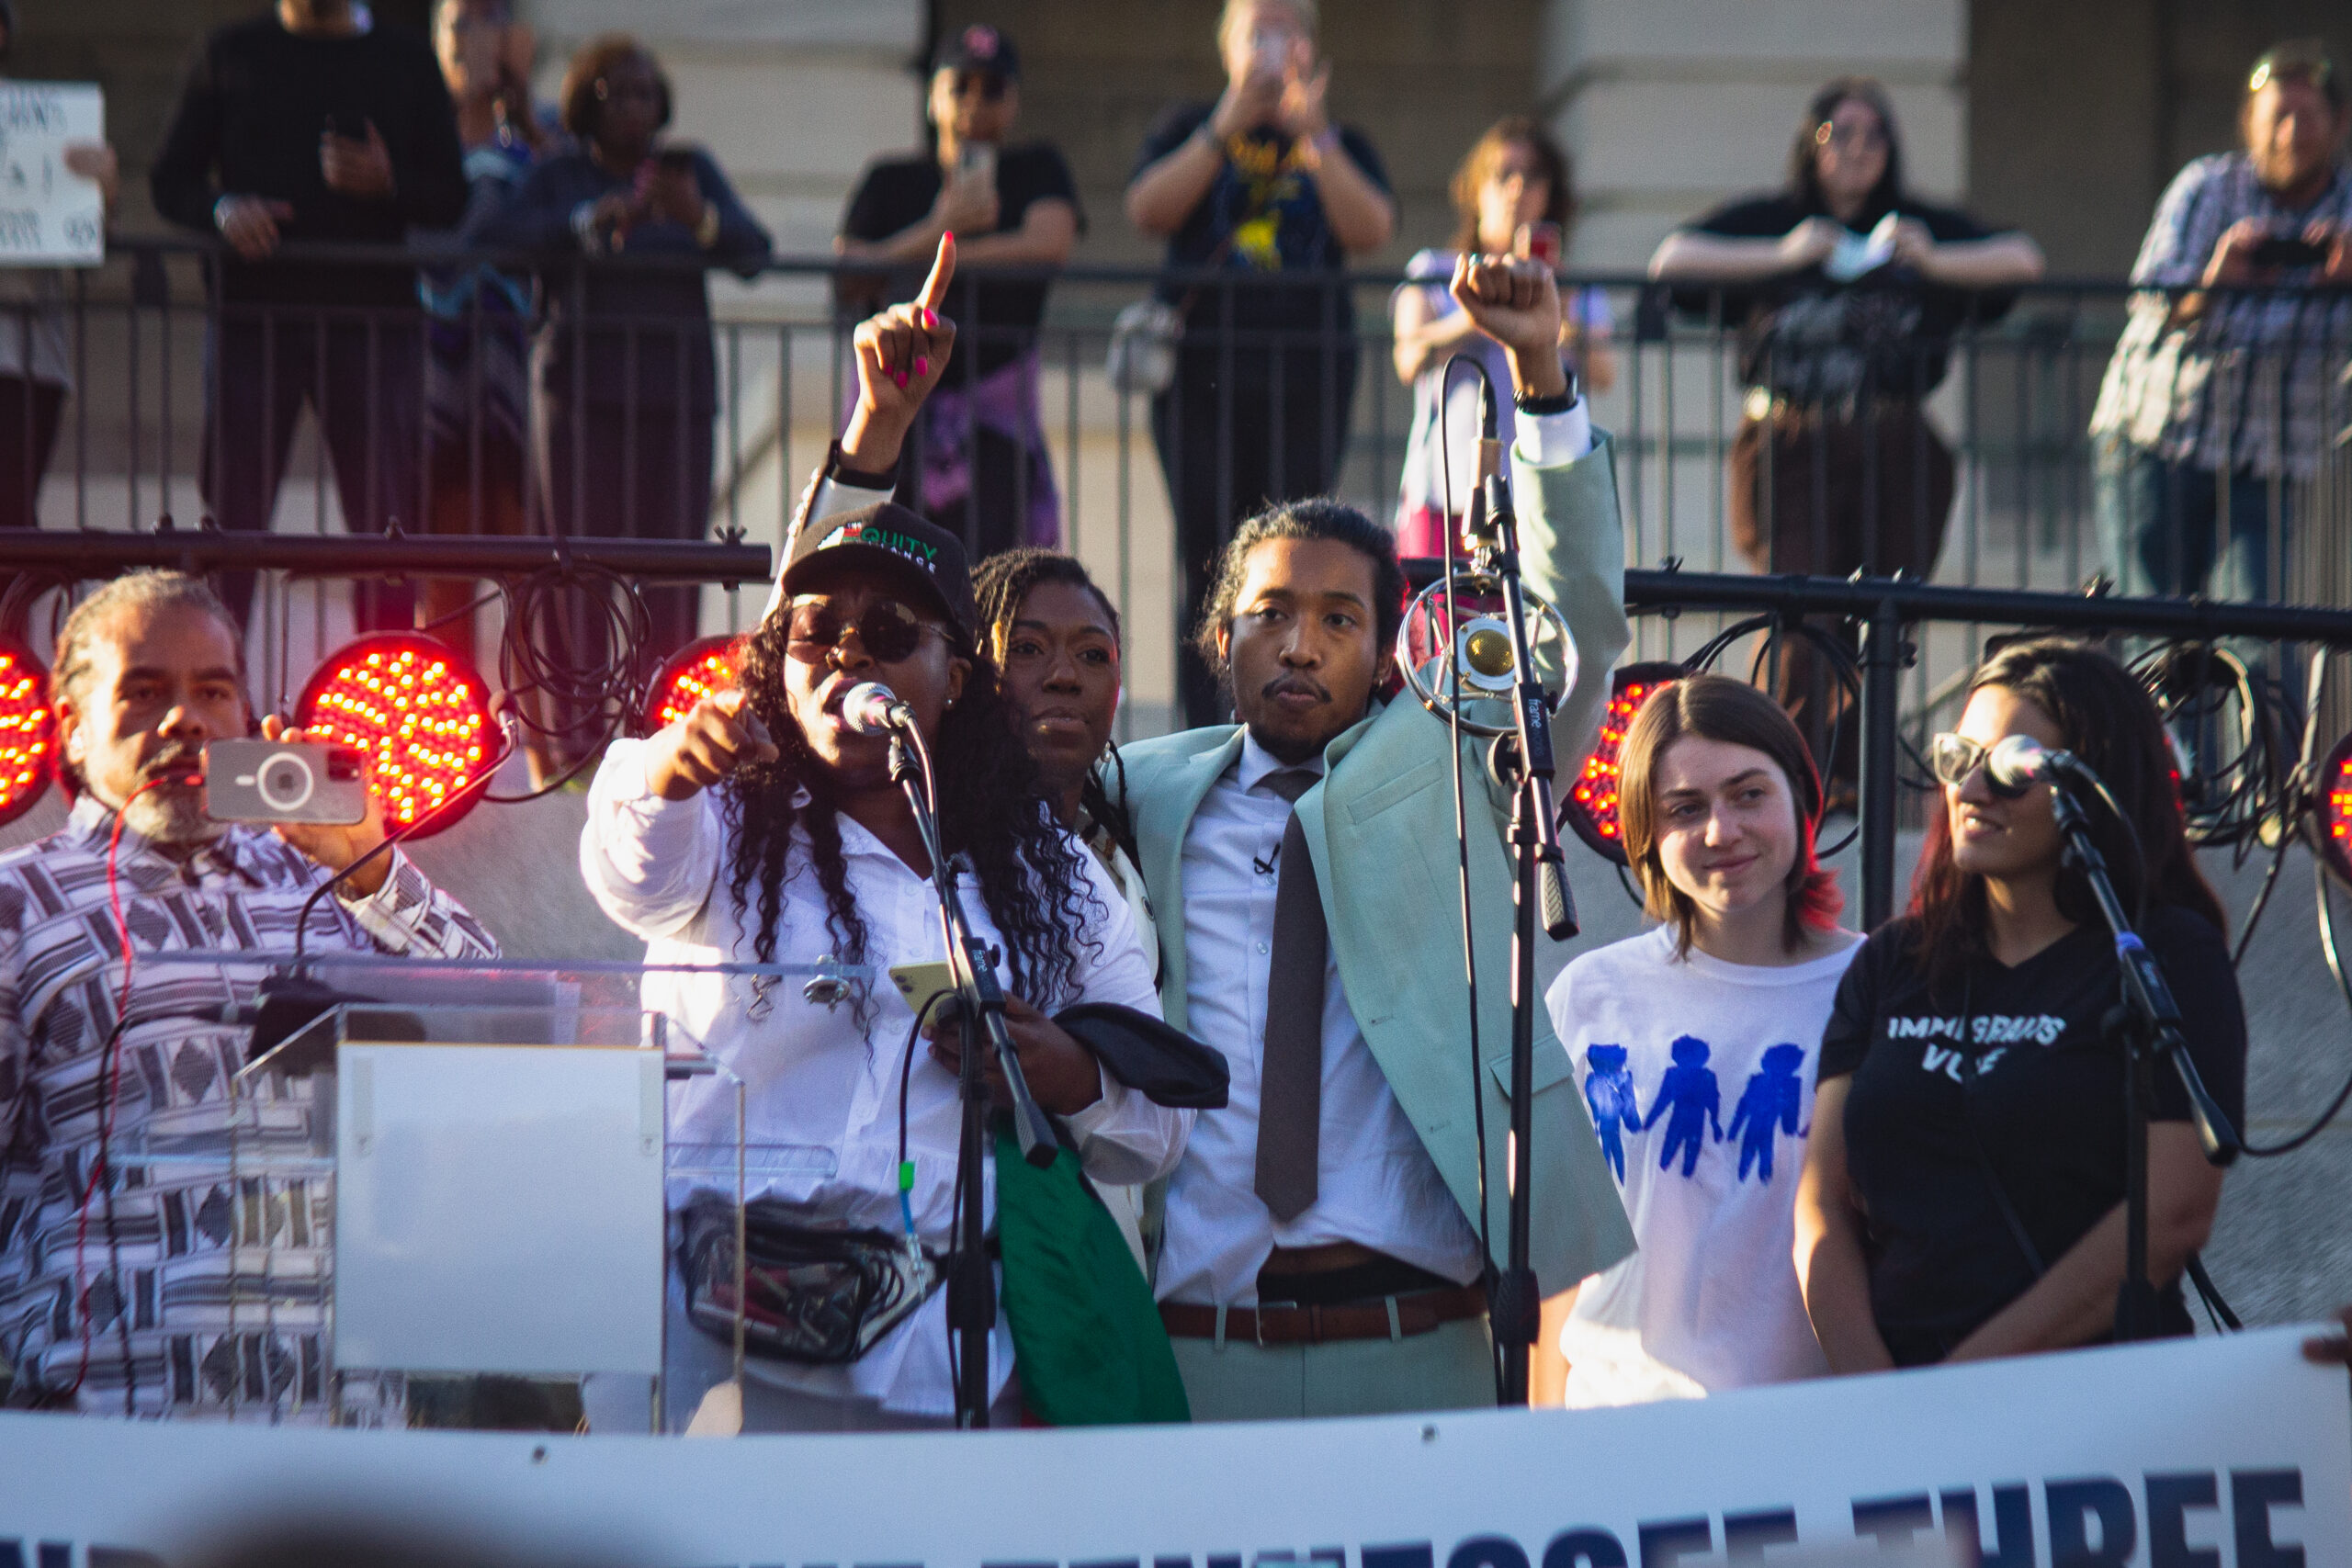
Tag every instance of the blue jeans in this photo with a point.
(2162, 529)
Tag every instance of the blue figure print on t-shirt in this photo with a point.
(1689, 1089)
(1609, 1090)
(1772, 1099)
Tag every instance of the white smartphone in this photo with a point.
(918, 983)
(977, 161)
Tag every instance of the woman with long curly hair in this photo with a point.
(1963, 1195)
(762, 830)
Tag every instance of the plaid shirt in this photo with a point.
(152, 1247)
(2211, 391)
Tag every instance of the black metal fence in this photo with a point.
(1967, 443)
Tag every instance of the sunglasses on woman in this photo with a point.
(1952, 758)
(886, 629)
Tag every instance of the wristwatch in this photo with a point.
(838, 471)
(1559, 402)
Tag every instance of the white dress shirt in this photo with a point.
(1375, 1183)
(823, 1086)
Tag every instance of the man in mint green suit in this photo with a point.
(1319, 1249)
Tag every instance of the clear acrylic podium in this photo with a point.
(474, 1160)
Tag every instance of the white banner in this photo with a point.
(49, 214)
(2215, 1453)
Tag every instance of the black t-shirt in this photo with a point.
(2030, 1079)
(1263, 215)
(1814, 340)
(898, 192)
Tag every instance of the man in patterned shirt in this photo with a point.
(2215, 402)
(120, 1289)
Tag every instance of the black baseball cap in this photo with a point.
(901, 544)
(978, 47)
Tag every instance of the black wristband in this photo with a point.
(837, 468)
(1558, 403)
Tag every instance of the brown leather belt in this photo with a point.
(1388, 1318)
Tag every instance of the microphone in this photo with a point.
(1477, 523)
(872, 708)
(2017, 763)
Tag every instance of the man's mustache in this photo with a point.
(1296, 681)
(177, 763)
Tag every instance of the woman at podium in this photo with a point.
(763, 828)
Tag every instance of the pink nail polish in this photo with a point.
(930, 319)
(922, 364)
(902, 378)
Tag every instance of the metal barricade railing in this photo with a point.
(1976, 444)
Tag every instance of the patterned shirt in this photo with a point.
(2210, 392)
(205, 1329)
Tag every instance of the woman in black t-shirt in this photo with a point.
(980, 468)
(1260, 187)
(1846, 291)
(1963, 1192)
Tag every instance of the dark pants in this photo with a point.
(364, 382)
(2174, 528)
(1824, 496)
(614, 471)
(29, 414)
(1274, 434)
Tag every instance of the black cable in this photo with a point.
(2335, 967)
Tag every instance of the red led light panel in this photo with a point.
(26, 728)
(422, 717)
(2336, 808)
(706, 665)
(1592, 807)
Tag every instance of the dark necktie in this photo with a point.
(1290, 1072)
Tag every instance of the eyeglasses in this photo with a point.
(887, 630)
(988, 83)
(1952, 758)
(1845, 136)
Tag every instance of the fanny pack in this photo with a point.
(815, 1297)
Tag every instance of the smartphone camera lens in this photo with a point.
(285, 782)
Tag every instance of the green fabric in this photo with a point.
(1086, 1334)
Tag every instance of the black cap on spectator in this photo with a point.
(901, 544)
(978, 47)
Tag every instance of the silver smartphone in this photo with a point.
(284, 781)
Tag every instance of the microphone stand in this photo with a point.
(2148, 1021)
(971, 1287)
(1514, 1305)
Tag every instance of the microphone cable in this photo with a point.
(1442, 636)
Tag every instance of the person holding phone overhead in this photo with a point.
(761, 829)
(310, 122)
(981, 469)
(1512, 194)
(1263, 188)
(2215, 403)
(624, 381)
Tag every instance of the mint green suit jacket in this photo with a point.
(1380, 826)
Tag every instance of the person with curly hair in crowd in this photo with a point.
(761, 829)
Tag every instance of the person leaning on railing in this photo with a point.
(1847, 292)
(1260, 182)
(1516, 175)
(980, 440)
(310, 122)
(2215, 401)
(623, 377)
(35, 346)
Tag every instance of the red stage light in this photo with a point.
(706, 665)
(27, 729)
(421, 716)
(1592, 804)
(2334, 813)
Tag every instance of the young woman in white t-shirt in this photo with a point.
(1696, 1045)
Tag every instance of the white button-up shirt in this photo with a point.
(822, 1085)
(1375, 1183)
